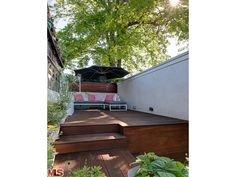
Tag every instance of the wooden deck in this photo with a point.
(123, 118)
(109, 139)
(114, 162)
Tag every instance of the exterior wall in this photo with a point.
(53, 74)
(163, 87)
(53, 96)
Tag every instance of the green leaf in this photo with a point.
(132, 34)
(165, 174)
(153, 165)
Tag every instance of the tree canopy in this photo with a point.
(128, 33)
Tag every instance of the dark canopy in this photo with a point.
(98, 72)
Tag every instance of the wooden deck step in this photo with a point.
(78, 129)
(88, 142)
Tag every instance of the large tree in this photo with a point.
(128, 33)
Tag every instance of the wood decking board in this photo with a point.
(123, 118)
(89, 138)
(161, 139)
(77, 129)
(89, 146)
(114, 162)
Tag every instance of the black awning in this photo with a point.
(97, 72)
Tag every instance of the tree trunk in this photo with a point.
(112, 63)
(119, 63)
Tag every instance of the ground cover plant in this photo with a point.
(152, 165)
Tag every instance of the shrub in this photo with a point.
(152, 165)
(55, 112)
(51, 153)
(89, 172)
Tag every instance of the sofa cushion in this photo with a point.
(100, 97)
(78, 97)
(109, 98)
(91, 97)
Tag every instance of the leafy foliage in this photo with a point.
(89, 172)
(50, 152)
(152, 165)
(55, 112)
(52, 129)
(128, 33)
(70, 78)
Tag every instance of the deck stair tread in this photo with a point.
(72, 124)
(76, 129)
(89, 138)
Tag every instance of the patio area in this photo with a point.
(103, 137)
(96, 135)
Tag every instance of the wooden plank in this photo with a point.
(97, 159)
(128, 156)
(78, 129)
(112, 166)
(113, 162)
(68, 163)
(97, 87)
(89, 138)
(123, 118)
(161, 139)
(89, 146)
(124, 161)
(145, 132)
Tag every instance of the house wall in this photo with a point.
(163, 87)
(53, 96)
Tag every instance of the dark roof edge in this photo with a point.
(55, 47)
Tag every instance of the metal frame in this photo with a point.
(104, 106)
(90, 104)
(119, 105)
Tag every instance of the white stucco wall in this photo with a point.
(53, 96)
(163, 87)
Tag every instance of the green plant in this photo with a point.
(116, 80)
(89, 172)
(70, 78)
(51, 152)
(152, 165)
(56, 112)
(133, 34)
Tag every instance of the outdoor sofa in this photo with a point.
(110, 100)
